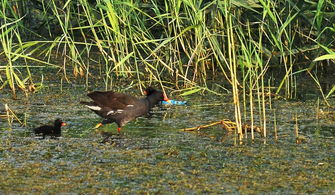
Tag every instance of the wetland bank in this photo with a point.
(269, 65)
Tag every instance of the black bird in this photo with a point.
(122, 108)
(54, 131)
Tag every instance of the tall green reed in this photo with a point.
(182, 39)
(10, 34)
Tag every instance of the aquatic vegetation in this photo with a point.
(250, 56)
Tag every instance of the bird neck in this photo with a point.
(153, 99)
(57, 128)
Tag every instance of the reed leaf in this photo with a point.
(325, 57)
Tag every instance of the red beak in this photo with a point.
(166, 98)
(63, 124)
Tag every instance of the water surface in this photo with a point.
(153, 155)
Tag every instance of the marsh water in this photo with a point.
(154, 155)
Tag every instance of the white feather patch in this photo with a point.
(97, 108)
(130, 105)
(119, 111)
(114, 112)
(110, 112)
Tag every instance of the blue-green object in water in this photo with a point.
(174, 102)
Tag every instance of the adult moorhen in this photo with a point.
(121, 108)
(54, 131)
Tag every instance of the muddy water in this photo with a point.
(152, 155)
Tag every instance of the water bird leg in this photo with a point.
(98, 125)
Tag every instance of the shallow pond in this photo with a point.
(154, 156)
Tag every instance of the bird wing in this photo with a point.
(112, 100)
